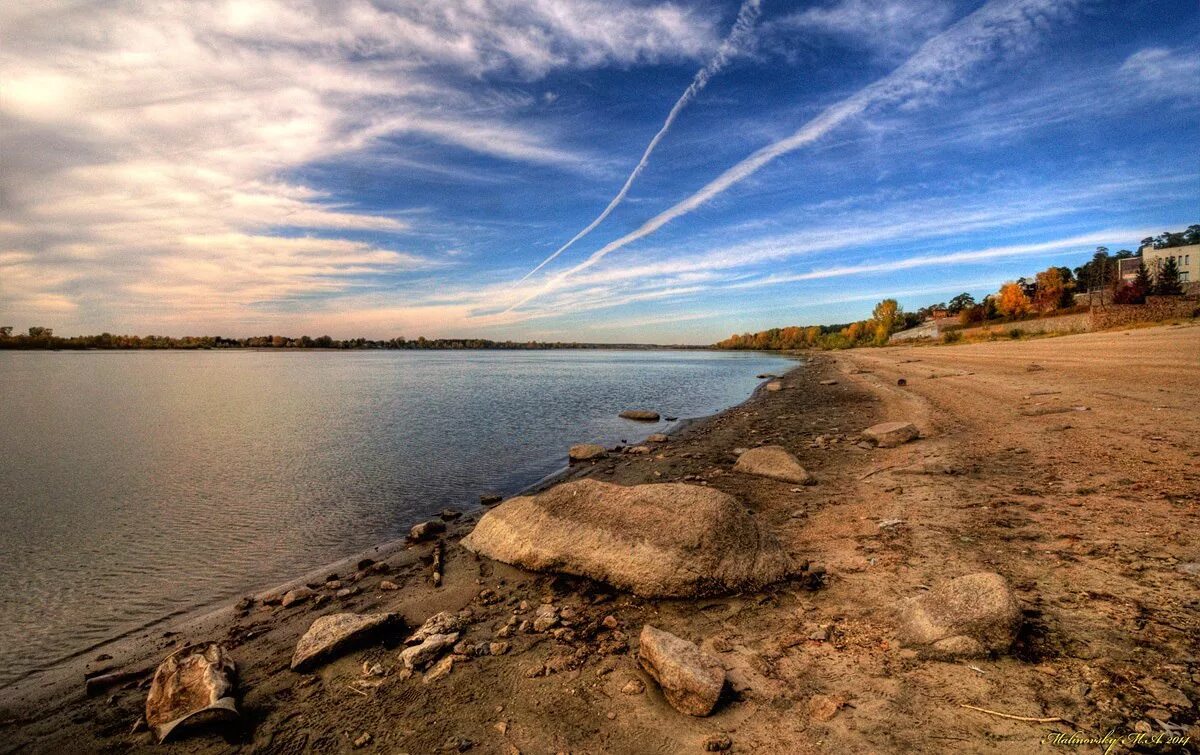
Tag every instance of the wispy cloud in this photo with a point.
(150, 146)
(999, 28)
(742, 28)
(1164, 72)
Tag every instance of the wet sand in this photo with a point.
(1069, 465)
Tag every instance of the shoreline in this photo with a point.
(1065, 465)
(58, 678)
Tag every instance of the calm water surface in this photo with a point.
(138, 484)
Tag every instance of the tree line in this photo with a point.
(38, 337)
(1051, 291)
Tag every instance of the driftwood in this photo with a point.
(437, 563)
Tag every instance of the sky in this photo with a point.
(590, 170)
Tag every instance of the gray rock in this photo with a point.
(971, 616)
(586, 452)
(330, 633)
(641, 415)
(691, 680)
(890, 434)
(774, 462)
(660, 540)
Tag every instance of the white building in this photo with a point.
(1187, 259)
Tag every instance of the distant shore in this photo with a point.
(1032, 463)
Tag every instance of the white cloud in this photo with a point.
(888, 28)
(1163, 72)
(148, 143)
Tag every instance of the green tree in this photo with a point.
(1168, 279)
(6, 331)
(1143, 283)
(960, 302)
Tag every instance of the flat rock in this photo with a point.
(890, 434)
(586, 452)
(641, 415)
(774, 385)
(691, 680)
(775, 462)
(330, 633)
(657, 438)
(970, 616)
(829, 382)
(659, 540)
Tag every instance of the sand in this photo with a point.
(1069, 465)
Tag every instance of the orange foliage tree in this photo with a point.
(1012, 301)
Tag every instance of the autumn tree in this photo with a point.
(885, 318)
(1012, 301)
(1049, 289)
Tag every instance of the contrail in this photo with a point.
(943, 61)
(746, 18)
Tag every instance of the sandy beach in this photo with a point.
(1070, 466)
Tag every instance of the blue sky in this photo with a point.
(387, 168)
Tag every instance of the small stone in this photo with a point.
(443, 622)
(490, 499)
(641, 415)
(586, 452)
(610, 622)
(891, 434)
(774, 462)
(440, 670)
(545, 618)
(426, 530)
(450, 514)
(498, 648)
(638, 450)
(829, 382)
(388, 585)
(774, 386)
(969, 616)
(611, 716)
(422, 655)
(691, 680)
(362, 740)
(501, 727)
(718, 743)
(657, 438)
(299, 595)
(825, 707)
(634, 687)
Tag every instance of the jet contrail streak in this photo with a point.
(940, 63)
(746, 18)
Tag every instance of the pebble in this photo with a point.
(634, 687)
(362, 740)
(718, 743)
(387, 584)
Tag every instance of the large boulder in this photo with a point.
(775, 462)
(971, 616)
(889, 434)
(586, 452)
(690, 679)
(663, 540)
(641, 415)
(329, 634)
